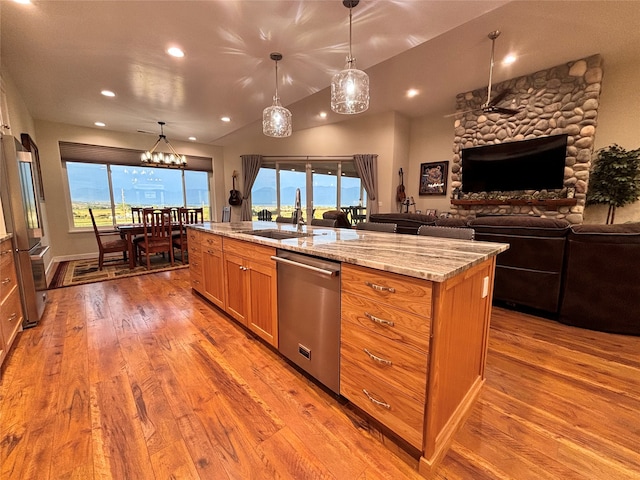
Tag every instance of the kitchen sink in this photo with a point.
(277, 234)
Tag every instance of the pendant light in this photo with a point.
(350, 87)
(159, 159)
(276, 120)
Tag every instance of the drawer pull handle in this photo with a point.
(6, 252)
(377, 402)
(13, 316)
(380, 288)
(379, 320)
(6, 280)
(376, 358)
(197, 282)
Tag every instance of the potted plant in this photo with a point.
(614, 179)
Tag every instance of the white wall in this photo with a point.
(65, 243)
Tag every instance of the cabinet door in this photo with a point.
(263, 311)
(237, 291)
(213, 274)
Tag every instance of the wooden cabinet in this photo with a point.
(195, 260)
(206, 266)
(10, 306)
(212, 268)
(413, 351)
(386, 320)
(251, 287)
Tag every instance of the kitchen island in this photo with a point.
(415, 315)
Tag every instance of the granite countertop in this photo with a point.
(430, 258)
(5, 236)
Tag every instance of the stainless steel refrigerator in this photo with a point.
(19, 187)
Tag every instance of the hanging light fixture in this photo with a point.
(160, 159)
(350, 87)
(276, 120)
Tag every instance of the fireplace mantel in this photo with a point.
(549, 204)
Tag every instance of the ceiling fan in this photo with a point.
(491, 104)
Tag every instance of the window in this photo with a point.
(110, 181)
(331, 184)
(111, 190)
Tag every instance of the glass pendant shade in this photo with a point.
(276, 120)
(350, 87)
(350, 91)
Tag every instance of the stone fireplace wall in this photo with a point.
(562, 99)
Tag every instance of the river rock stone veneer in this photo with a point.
(562, 99)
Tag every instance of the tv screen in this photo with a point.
(536, 164)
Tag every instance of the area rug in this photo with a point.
(78, 272)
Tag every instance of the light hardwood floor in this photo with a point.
(139, 378)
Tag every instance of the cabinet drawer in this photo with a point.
(406, 293)
(6, 255)
(388, 405)
(388, 322)
(402, 367)
(11, 315)
(257, 253)
(197, 279)
(193, 236)
(208, 240)
(8, 278)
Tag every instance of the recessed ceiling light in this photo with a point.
(175, 52)
(412, 92)
(193, 139)
(225, 119)
(23, 2)
(108, 93)
(323, 114)
(100, 124)
(509, 59)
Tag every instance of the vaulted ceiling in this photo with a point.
(61, 54)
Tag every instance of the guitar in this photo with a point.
(400, 194)
(235, 198)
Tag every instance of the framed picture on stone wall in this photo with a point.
(433, 178)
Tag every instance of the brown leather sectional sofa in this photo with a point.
(582, 275)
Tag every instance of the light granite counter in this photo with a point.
(430, 258)
(5, 236)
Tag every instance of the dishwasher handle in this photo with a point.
(323, 271)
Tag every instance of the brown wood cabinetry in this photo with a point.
(206, 266)
(251, 287)
(10, 306)
(413, 351)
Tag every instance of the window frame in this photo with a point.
(108, 165)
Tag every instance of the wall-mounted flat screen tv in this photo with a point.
(536, 164)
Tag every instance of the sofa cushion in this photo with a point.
(451, 222)
(617, 233)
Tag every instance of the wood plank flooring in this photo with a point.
(138, 378)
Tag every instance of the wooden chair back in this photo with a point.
(157, 233)
(108, 242)
(186, 216)
(136, 214)
(264, 215)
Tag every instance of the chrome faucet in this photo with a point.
(297, 216)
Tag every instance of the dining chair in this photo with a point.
(157, 234)
(136, 214)
(186, 216)
(108, 242)
(264, 215)
(377, 227)
(323, 222)
(461, 233)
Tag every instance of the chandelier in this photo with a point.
(276, 120)
(160, 159)
(350, 87)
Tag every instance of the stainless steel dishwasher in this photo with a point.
(309, 315)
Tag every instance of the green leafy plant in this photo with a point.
(614, 179)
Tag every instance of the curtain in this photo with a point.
(367, 168)
(250, 168)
